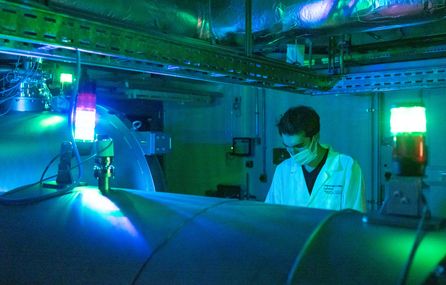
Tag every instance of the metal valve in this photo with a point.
(103, 168)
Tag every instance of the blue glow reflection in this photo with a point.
(95, 201)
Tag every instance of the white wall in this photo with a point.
(344, 125)
(347, 124)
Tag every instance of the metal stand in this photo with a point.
(64, 176)
(404, 196)
(403, 206)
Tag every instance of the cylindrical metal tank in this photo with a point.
(29, 140)
(136, 237)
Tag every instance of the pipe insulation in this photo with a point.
(224, 19)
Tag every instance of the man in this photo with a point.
(314, 176)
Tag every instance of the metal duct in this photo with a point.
(185, 18)
(270, 17)
(29, 140)
(226, 18)
(317, 14)
(135, 237)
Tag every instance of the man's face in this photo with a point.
(295, 143)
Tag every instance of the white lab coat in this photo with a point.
(339, 185)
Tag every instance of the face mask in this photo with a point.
(308, 154)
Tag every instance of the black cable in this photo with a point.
(418, 238)
(10, 93)
(73, 167)
(7, 109)
(72, 115)
(47, 167)
(23, 187)
(173, 234)
(309, 242)
(8, 201)
(383, 208)
(27, 201)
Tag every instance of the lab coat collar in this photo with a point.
(333, 161)
(332, 165)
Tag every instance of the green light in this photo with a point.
(408, 120)
(188, 18)
(66, 78)
(397, 249)
(52, 121)
(363, 6)
(307, 62)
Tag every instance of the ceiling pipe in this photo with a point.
(248, 28)
(226, 20)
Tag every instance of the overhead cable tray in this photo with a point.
(39, 32)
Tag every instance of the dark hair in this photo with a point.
(299, 119)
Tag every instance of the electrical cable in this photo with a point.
(174, 233)
(384, 206)
(27, 201)
(6, 76)
(29, 74)
(22, 188)
(11, 89)
(418, 238)
(47, 167)
(310, 241)
(60, 192)
(72, 115)
(11, 92)
(7, 109)
(73, 167)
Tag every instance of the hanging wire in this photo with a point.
(72, 115)
(310, 242)
(10, 93)
(5, 200)
(426, 213)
